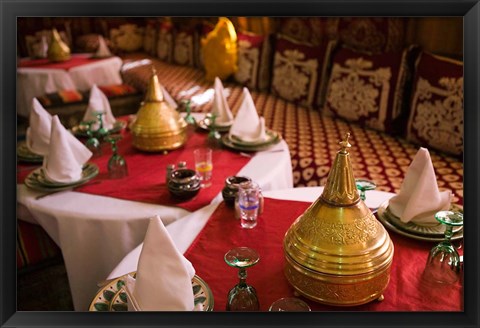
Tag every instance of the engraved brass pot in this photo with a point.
(58, 50)
(158, 127)
(337, 252)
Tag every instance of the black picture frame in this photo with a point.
(10, 10)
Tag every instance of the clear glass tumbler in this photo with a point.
(204, 165)
(249, 203)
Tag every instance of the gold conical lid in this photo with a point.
(338, 234)
(158, 126)
(58, 50)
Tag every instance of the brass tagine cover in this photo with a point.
(158, 126)
(337, 252)
(58, 50)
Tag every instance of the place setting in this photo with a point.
(412, 212)
(220, 117)
(181, 288)
(65, 159)
(248, 132)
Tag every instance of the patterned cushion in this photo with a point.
(368, 34)
(300, 70)
(33, 245)
(127, 38)
(184, 47)
(313, 137)
(436, 118)
(304, 29)
(150, 39)
(87, 43)
(253, 60)
(165, 40)
(64, 97)
(369, 89)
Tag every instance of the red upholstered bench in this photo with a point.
(70, 105)
(34, 247)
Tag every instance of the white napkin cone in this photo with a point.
(164, 275)
(38, 132)
(419, 198)
(103, 50)
(220, 108)
(168, 98)
(66, 155)
(247, 126)
(98, 102)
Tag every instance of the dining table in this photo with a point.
(37, 77)
(97, 224)
(205, 236)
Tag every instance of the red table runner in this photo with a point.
(66, 65)
(405, 292)
(147, 173)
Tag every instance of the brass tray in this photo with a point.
(26, 155)
(391, 223)
(36, 179)
(111, 297)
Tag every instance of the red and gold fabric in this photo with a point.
(300, 71)
(436, 117)
(165, 40)
(253, 60)
(370, 89)
(150, 38)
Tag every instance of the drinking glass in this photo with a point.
(189, 117)
(291, 304)
(364, 185)
(117, 166)
(102, 132)
(204, 165)
(443, 263)
(92, 143)
(248, 203)
(242, 297)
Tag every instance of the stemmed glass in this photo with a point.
(242, 297)
(213, 134)
(92, 143)
(117, 166)
(443, 263)
(189, 117)
(364, 185)
(102, 131)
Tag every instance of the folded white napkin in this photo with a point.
(164, 275)
(102, 50)
(220, 108)
(66, 155)
(419, 198)
(98, 102)
(247, 126)
(168, 98)
(38, 132)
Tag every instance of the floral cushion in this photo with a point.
(184, 47)
(436, 118)
(304, 29)
(150, 38)
(127, 37)
(370, 89)
(368, 34)
(253, 60)
(300, 70)
(165, 40)
(87, 42)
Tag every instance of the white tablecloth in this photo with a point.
(34, 82)
(95, 232)
(184, 231)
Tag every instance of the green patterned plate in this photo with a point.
(111, 297)
(36, 180)
(271, 137)
(226, 141)
(26, 155)
(80, 131)
(386, 220)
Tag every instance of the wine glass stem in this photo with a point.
(362, 194)
(242, 275)
(448, 233)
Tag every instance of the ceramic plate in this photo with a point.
(80, 131)
(205, 125)
(229, 144)
(386, 220)
(111, 297)
(26, 155)
(36, 180)
(271, 137)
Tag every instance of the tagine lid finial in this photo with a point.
(154, 92)
(340, 189)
